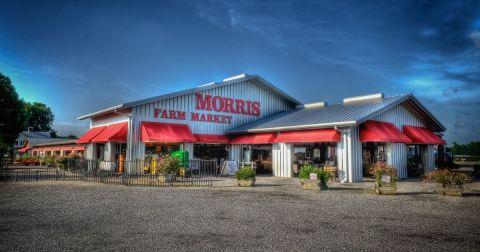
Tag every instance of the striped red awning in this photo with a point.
(92, 133)
(260, 138)
(377, 131)
(116, 132)
(420, 135)
(308, 136)
(206, 138)
(166, 132)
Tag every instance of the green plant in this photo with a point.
(245, 173)
(447, 177)
(323, 176)
(380, 169)
(169, 165)
(305, 171)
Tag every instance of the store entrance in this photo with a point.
(372, 152)
(262, 156)
(216, 152)
(415, 160)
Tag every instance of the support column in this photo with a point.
(428, 158)
(235, 153)
(189, 148)
(109, 152)
(282, 160)
(349, 158)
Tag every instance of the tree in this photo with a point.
(12, 114)
(39, 116)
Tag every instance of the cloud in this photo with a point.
(475, 36)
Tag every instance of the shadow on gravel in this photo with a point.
(471, 193)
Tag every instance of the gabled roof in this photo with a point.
(344, 114)
(53, 141)
(229, 81)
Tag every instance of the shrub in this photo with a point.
(447, 177)
(245, 173)
(169, 165)
(323, 176)
(305, 171)
(381, 168)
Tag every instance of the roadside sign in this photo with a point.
(232, 167)
(313, 176)
(386, 178)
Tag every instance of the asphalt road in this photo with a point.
(87, 216)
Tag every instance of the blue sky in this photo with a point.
(81, 56)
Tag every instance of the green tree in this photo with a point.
(12, 115)
(39, 116)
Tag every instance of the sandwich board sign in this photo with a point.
(231, 166)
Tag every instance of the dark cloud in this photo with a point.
(83, 56)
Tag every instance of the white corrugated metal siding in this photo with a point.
(397, 157)
(397, 152)
(270, 105)
(282, 159)
(108, 120)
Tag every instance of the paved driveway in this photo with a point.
(275, 216)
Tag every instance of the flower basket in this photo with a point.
(452, 182)
(385, 179)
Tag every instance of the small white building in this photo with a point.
(244, 118)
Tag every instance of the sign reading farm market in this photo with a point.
(215, 104)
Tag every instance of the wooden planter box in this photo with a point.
(385, 188)
(246, 182)
(453, 190)
(308, 184)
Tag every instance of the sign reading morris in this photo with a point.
(212, 103)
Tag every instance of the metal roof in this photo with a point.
(36, 134)
(228, 81)
(344, 114)
(51, 141)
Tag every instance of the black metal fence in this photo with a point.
(129, 173)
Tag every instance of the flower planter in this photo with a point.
(323, 186)
(246, 182)
(385, 188)
(453, 190)
(308, 184)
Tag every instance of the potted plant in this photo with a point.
(169, 165)
(307, 182)
(245, 177)
(452, 182)
(323, 177)
(385, 178)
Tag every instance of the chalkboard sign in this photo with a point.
(231, 166)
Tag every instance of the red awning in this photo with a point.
(112, 133)
(23, 149)
(166, 132)
(260, 138)
(79, 148)
(308, 136)
(421, 135)
(377, 131)
(93, 132)
(206, 138)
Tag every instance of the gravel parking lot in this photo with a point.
(91, 216)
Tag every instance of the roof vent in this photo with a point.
(243, 75)
(208, 84)
(313, 105)
(362, 98)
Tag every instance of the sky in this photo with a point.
(82, 56)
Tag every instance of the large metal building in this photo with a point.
(244, 118)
